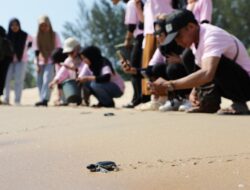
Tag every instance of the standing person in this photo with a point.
(47, 40)
(6, 55)
(21, 42)
(134, 31)
(152, 8)
(222, 58)
(104, 83)
(202, 10)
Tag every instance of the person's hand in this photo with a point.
(158, 87)
(193, 98)
(173, 58)
(126, 67)
(51, 84)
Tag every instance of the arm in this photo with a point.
(200, 77)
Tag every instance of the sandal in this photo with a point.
(235, 109)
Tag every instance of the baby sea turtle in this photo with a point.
(104, 166)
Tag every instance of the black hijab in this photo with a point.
(94, 55)
(18, 39)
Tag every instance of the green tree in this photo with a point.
(233, 16)
(102, 25)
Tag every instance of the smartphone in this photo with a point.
(122, 57)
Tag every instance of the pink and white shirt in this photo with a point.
(65, 73)
(215, 42)
(115, 78)
(131, 17)
(152, 8)
(25, 57)
(58, 44)
(202, 10)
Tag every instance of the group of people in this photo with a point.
(55, 64)
(179, 61)
(188, 63)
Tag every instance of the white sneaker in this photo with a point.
(186, 105)
(149, 106)
(172, 105)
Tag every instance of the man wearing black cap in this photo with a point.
(222, 58)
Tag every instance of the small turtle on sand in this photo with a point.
(104, 166)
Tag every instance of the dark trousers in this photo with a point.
(232, 81)
(136, 59)
(171, 72)
(4, 65)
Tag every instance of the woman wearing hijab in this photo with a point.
(21, 42)
(104, 83)
(47, 40)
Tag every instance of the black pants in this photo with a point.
(171, 72)
(4, 65)
(232, 81)
(136, 59)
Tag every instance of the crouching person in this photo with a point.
(222, 58)
(104, 83)
(70, 67)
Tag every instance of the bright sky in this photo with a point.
(28, 12)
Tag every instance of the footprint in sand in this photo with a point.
(211, 162)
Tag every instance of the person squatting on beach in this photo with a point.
(47, 40)
(6, 56)
(222, 58)
(165, 63)
(133, 39)
(70, 67)
(21, 42)
(104, 83)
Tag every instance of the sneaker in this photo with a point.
(149, 106)
(185, 106)
(170, 105)
(42, 103)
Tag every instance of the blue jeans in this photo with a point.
(17, 72)
(105, 92)
(44, 77)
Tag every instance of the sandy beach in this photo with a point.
(49, 148)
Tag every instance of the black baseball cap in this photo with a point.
(176, 21)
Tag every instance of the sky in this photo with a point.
(28, 12)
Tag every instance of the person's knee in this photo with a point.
(176, 71)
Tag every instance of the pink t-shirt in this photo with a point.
(202, 10)
(58, 44)
(157, 58)
(115, 78)
(153, 8)
(85, 71)
(65, 73)
(215, 42)
(131, 17)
